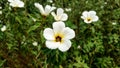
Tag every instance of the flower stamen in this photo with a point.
(88, 19)
(58, 39)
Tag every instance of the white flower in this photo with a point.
(45, 11)
(3, 28)
(60, 15)
(16, 3)
(58, 37)
(35, 43)
(89, 16)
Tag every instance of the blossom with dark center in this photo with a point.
(89, 16)
(59, 37)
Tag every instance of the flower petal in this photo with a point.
(40, 7)
(85, 14)
(65, 45)
(92, 12)
(52, 44)
(47, 9)
(53, 14)
(68, 33)
(95, 18)
(21, 4)
(10, 0)
(83, 17)
(59, 11)
(3, 28)
(58, 26)
(48, 34)
(52, 8)
(64, 17)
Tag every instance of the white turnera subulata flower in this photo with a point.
(59, 37)
(89, 16)
(46, 11)
(60, 15)
(3, 28)
(16, 3)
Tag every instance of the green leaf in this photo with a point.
(2, 62)
(18, 19)
(33, 27)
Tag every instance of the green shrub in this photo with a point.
(96, 45)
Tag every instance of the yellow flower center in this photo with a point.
(58, 18)
(89, 19)
(58, 39)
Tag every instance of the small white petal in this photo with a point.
(48, 34)
(78, 46)
(68, 33)
(92, 12)
(35, 43)
(34, 19)
(83, 17)
(58, 26)
(95, 18)
(47, 9)
(68, 9)
(10, 0)
(52, 8)
(85, 13)
(40, 7)
(3, 28)
(114, 23)
(65, 45)
(105, 3)
(60, 11)
(52, 44)
(53, 4)
(21, 4)
(64, 17)
(53, 14)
